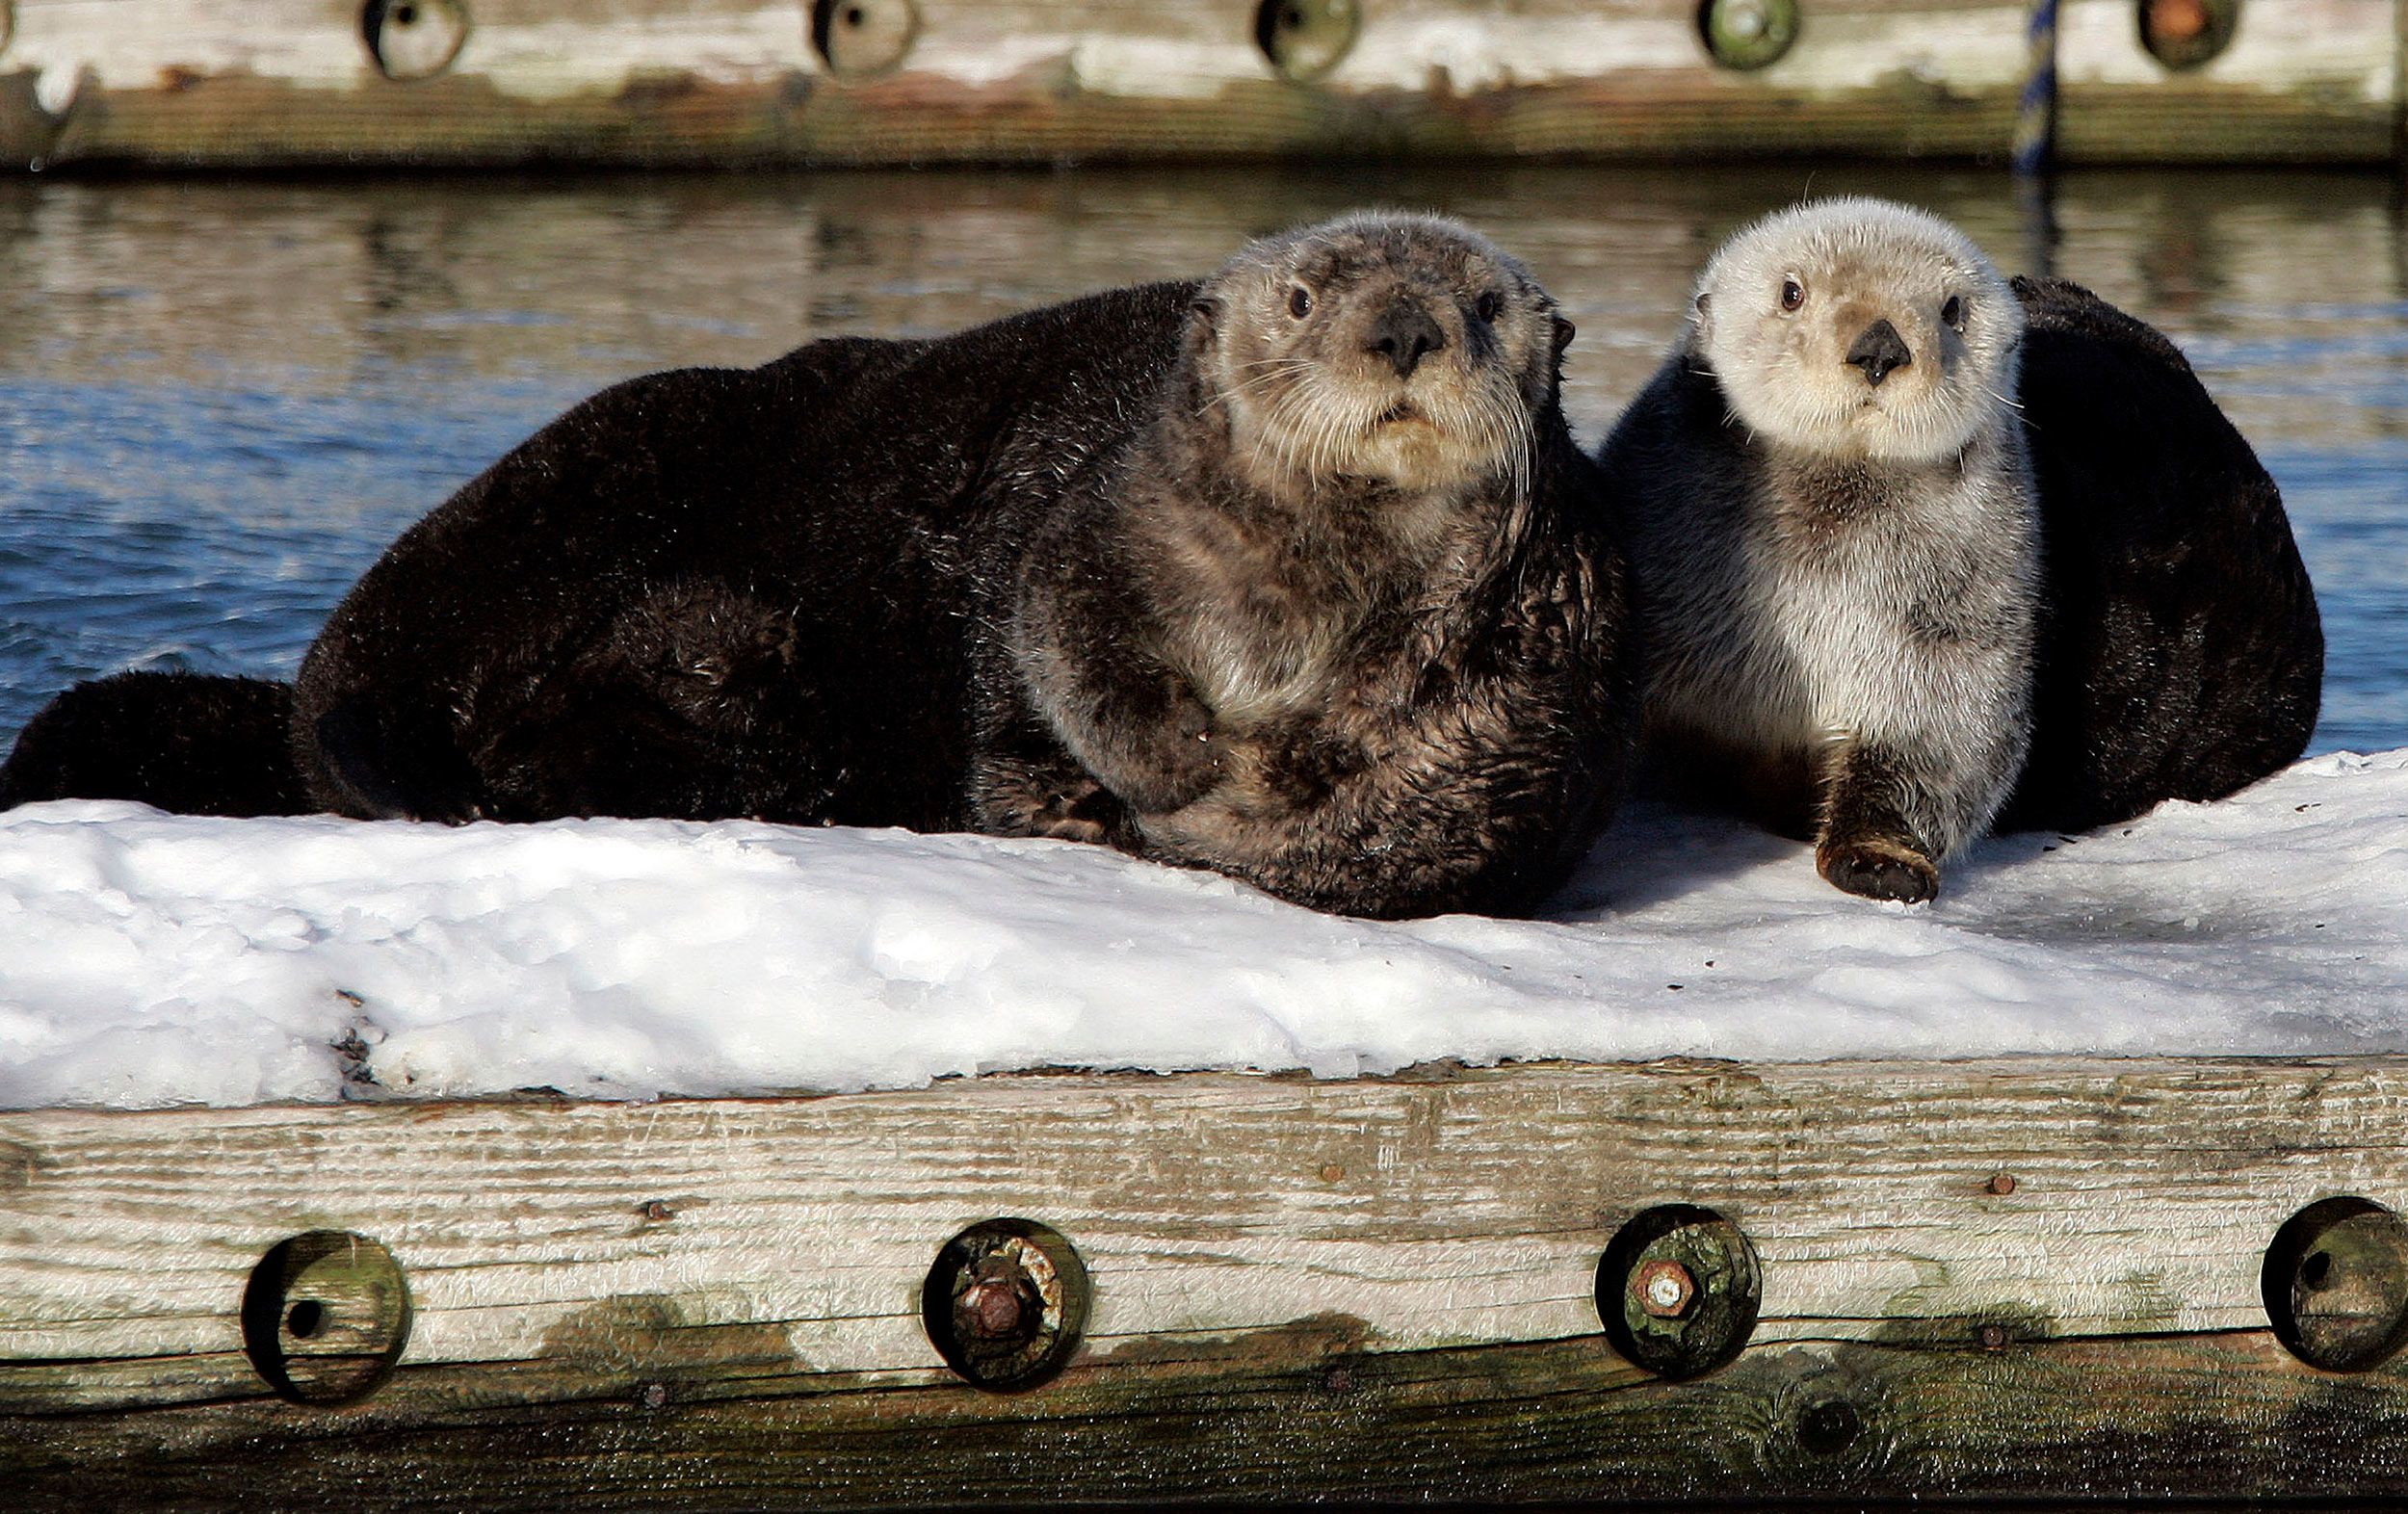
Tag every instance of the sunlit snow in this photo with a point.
(150, 960)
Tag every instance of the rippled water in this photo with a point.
(219, 401)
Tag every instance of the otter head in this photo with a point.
(1402, 349)
(1859, 329)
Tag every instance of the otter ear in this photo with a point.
(1203, 323)
(1566, 330)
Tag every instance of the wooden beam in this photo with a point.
(294, 83)
(2001, 1273)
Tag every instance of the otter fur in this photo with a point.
(2181, 654)
(1327, 621)
(846, 587)
(1836, 538)
(190, 743)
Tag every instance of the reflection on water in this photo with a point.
(218, 402)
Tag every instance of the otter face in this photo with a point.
(1860, 329)
(1404, 349)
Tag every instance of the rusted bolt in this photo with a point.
(1332, 1172)
(2001, 1184)
(990, 1310)
(1006, 1304)
(658, 1209)
(1993, 1338)
(655, 1395)
(1665, 1289)
(1678, 1289)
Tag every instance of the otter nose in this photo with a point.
(1878, 349)
(1404, 333)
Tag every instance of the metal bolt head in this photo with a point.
(1665, 1289)
(1006, 1304)
(991, 1309)
(2001, 1184)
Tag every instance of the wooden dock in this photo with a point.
(2120, 1280)
(355, 84)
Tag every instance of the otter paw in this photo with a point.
(1878, 869)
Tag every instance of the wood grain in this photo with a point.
(1435, 1233)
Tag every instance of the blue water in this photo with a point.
(219, 401)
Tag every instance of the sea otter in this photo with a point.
(2181, 653)
(1295, 573)
(1836, 537)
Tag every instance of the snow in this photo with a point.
(150, 959)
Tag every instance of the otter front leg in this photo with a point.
(1867, 846)
(1140, 730)
(1091, 674)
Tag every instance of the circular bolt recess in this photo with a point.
(2185, 33)
(1828, 1427)
(1006, 1304)
(1747, 34)
(1305, 38)
(1640, 1290)
(325, 1316)
(413, 39)
(2336, 1285)
(863, 39)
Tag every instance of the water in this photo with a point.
(220, 401)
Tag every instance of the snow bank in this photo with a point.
(150, 960)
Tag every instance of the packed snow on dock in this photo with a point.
(150, 959)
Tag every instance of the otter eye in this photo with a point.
(1299, 302)
(1488, 304)
(1953, 313)
(1793, 293)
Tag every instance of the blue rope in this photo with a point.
(2035, 109)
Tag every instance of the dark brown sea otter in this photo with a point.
(1296, 574)
(1332, 619)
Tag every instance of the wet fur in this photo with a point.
(189, 742)
(1840, 594)
(1375, 668)
(2181, 653)
(794, 592)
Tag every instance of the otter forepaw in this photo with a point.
(1877, 868)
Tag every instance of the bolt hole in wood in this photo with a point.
(1829, 1427)
(1678, 1290)
(1306, 38)
(2187, 34)
(864, 38)
(413, 39)
(325, 1315)
(1747, 34)
(1006, 1304)
(2335, 1284)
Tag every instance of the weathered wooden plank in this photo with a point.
(1283, 1416)
(1434, 1233)
(294, 83)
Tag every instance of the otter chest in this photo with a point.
(1845, 607)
